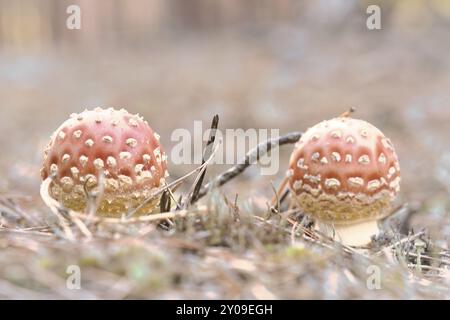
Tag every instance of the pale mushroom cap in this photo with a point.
(344, 171)
(115, 142)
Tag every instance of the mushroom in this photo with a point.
(345, 174)
(111, 151)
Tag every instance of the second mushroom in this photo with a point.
(345, 174)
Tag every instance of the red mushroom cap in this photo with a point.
(120, 145)
(344, 171)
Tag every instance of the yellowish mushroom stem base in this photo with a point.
(351, 235)
(111, 204)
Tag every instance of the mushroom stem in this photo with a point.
(353, 235)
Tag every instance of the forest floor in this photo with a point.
(231, 245)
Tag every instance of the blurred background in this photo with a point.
(283, 64)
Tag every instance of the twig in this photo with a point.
(412, 254)
(404, 240)
(275, 203)
(413, 265)
(348, 113)
(251, 157)
(27, 232)
(313, 237)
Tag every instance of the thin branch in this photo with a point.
(250, 158)
(348, 113)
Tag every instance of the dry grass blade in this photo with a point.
(426, 257)
(10, 205)
(173, 185)
(172, 196)
(94, 198)
(150, 218)
(63, 214)
(277, 198)
(400, 242)
(57, 209)
(165, 203)
(194, 193)
(199, 177)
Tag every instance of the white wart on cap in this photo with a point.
(345, 173)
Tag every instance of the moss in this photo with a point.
(296, 252)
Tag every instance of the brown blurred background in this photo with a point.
(258, 64)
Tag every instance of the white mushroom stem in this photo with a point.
(352, 235)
